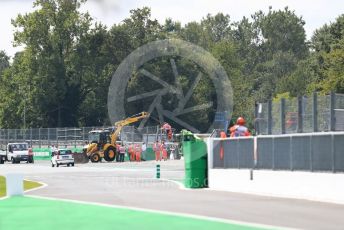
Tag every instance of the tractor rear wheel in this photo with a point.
(110, 153)
(95, 157)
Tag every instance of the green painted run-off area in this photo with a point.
(27, 213)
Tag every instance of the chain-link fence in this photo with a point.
(74, 137)
(318, 113)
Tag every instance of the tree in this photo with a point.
(328, 45)
(284, 31)
(4, 61)
(141, 28)
(50, 35)
(333, 71)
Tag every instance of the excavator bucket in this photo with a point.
(80, 158)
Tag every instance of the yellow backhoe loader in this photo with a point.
(103, 142)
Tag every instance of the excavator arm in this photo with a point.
(120, 124)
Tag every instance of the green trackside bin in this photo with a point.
(195, 157)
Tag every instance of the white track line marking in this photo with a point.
(43, 185)
(177, 214)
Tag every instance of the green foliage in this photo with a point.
(328, 44)
(4, 61)
(62, 76)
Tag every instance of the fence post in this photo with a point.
(300, 114)
(315, 112)
(273, 153)
(332, 111)
(237, 141)
(48, 136)
(269, 117)
(311, 153)
(83, 136)
(39, 137)
(74, 137)
(256, 123)
(291, 153)
(31, 137)
(57, 136)
(282, 115)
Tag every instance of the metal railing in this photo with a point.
(317, 113)
(72, 137)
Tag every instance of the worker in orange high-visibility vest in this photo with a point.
(131, 152)
(239, 130)
(138, 151)
(167, 129)
(156, 149)
(163, 150)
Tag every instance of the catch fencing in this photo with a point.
(74, 137)
(304, 152)
(304, 114)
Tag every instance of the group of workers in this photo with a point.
(134, 151)
(160, 150)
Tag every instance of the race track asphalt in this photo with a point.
(134, 185)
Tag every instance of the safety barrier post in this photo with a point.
(282, 115)
(269, 117)
(57, 136)
(74, 137)
(311, 153)
(39, 137)
(332, 111)
(273, 153)
(291, 165)
(31, 138)
(256, 121)
(333, 153)
(299, 114)
(49, 137)
(14, 184)
(315, 112)
(157, 171)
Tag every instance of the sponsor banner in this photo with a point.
(41, 153)
(45, 153)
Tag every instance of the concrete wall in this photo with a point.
(316, 186)
(325, 187)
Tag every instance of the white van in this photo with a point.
(17, 152)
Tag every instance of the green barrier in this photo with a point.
(148, 155)
(45, 153)
(41, 153)
(195, 158)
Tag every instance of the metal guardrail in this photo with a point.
(303, 152)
